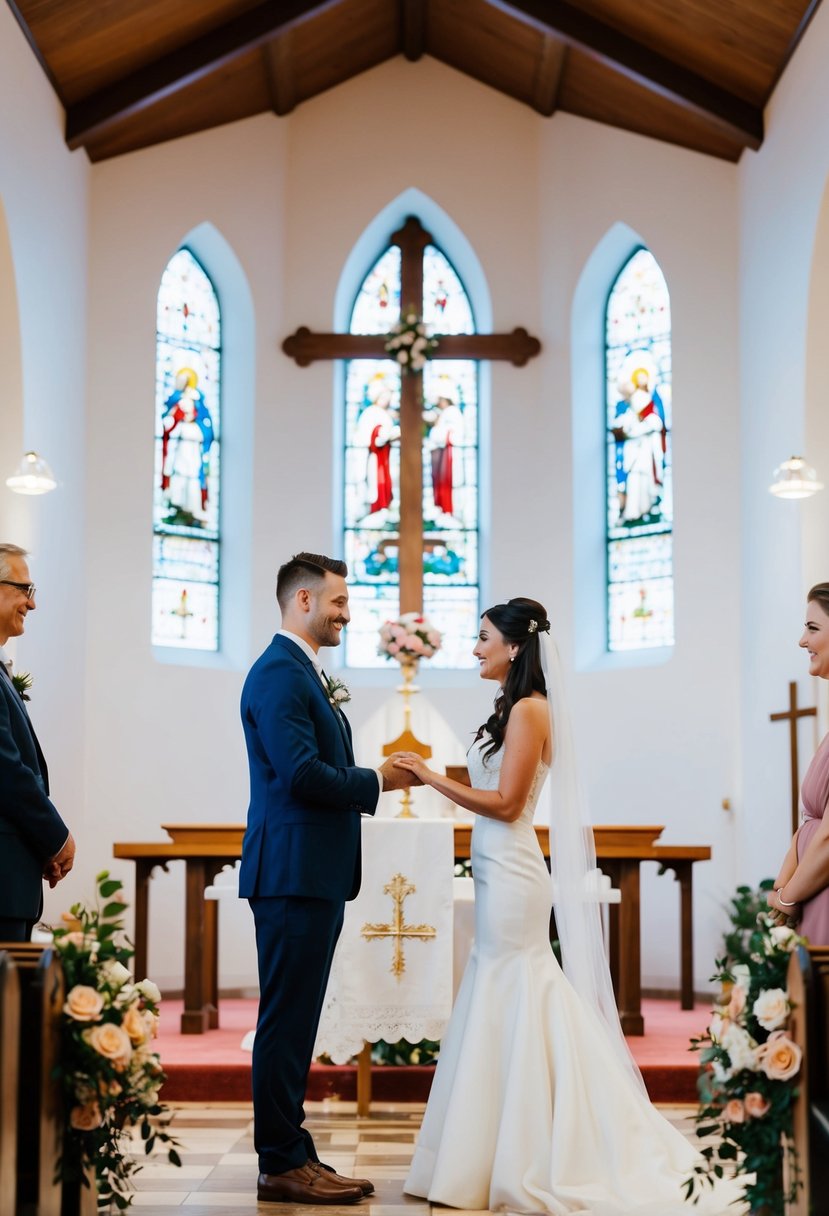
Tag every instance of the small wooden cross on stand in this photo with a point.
(791, 715)
(306, 347)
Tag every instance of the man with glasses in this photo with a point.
(34, 841)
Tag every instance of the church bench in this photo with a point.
(809, 1027)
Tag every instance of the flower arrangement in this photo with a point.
(23, 682)
(109, 1073)
(410, 343)
(411, 636)
(749, 1062)
(338, 693)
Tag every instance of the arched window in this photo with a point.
(640, 595)
(448, 459)
(185, 599)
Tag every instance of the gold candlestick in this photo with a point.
(406, 741)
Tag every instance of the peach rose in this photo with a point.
(734, 1111)
(83, 1004)
(70, 921)
(85, 1118)
(737, 1003)
(112, 1042)
(756, 1105)
(779, 1057)
(135, 1026)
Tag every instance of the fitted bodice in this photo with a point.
(485, 773)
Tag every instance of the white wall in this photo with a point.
(784, 270)
(43, 246)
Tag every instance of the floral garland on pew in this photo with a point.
(109, 1074)
(749, 1063)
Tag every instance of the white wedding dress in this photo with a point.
(531, 1108)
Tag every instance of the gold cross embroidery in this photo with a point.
(398, 889)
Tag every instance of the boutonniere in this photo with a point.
(22, 681)
(338, 694)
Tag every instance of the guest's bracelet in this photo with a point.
(783, 903)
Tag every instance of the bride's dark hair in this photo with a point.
(518, 621)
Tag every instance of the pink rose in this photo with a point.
(84, 1004)
(756, 1105)
(394, 648)
(734, 1111)
(779, 1057)
(85, 1118)
(737, 1003)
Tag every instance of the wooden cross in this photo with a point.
(306, 347)
(398, 889)
(791, 716)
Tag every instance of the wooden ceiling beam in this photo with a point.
(564, 21)
(549, 74)
(185, 66)
(413, 25)
(279, 71)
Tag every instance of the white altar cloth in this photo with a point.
(366, 1000)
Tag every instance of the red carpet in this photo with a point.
(213, 1068)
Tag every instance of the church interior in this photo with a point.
(282, 148)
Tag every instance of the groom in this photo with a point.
(300, 863)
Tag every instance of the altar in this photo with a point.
(206, 848)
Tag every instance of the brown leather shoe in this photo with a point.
(329, 1172)
(304, 1185)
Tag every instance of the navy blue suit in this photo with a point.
(300, 863)
(31, 830)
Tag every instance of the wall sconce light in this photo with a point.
(32, 476)
(794, 478)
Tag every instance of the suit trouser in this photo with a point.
(13, 930)
(295, 940)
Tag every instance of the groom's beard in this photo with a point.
(326, 633)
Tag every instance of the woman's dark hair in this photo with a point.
(519, 621)
(820, 595)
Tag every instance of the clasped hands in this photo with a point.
(400, 771)
(59, 866)
(779, 915)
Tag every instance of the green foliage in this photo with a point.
(403, 1052)
(108, 1072)
(748, 1064)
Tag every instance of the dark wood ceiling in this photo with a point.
(131, 73)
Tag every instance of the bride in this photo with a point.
(537, 1105)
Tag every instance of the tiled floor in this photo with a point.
(218, 1174)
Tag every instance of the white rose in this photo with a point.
(740, 1047)
(150, 990)
(721, 1073)
(771, 1008)
(115, 974)
(783, 937)
(741, 973)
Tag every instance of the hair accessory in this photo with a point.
(533, 625)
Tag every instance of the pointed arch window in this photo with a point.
(640, 593)
(448, 459)
(186, 538)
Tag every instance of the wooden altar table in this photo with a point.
(206, 848)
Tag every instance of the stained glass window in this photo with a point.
(185, 596)
(449, 460)
(639, 482)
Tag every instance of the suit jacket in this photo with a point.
(31, 830)
(306, 795)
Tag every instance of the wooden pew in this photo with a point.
(39, 1108)
(9, 1057)
(809, 1027)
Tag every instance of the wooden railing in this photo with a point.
(9, 1065)
(809, 1027)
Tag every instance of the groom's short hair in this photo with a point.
(305, 570)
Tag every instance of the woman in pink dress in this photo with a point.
(801, 891)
